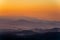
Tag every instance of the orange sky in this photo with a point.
(42, 9)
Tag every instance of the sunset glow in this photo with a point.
(41, 9)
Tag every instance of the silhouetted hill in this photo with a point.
(51, 34)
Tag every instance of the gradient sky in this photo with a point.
(41, 9)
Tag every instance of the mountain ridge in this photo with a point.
(28, 24)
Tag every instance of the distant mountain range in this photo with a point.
(29, 29)
(27, 24)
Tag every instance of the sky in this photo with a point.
(41, 9)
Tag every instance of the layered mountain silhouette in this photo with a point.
(27, 24)
(29, 29)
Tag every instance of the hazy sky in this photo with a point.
(42, 9)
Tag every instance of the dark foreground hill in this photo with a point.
(46, 36)
(30, 35)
